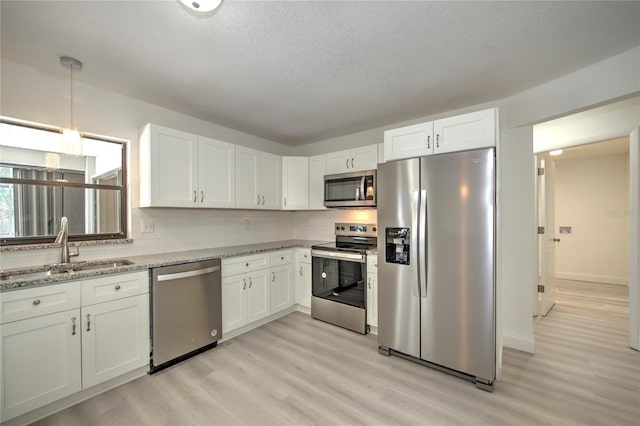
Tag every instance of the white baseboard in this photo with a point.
(593, 278)
(518, 342)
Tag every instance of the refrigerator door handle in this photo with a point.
(423, 250)
(415, 246)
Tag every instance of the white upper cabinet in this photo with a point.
(459, 133)
(179, 169)
(362, 158)
(216, 177)
(409, 141)
(295, 183)
(258, 177)
(317, 170)
(168, 167)
(467, 131)
(271, 181)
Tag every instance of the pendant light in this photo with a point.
(202, 5)
(71, 138)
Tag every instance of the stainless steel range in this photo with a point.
(339, 271)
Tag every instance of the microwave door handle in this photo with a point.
(363, 195)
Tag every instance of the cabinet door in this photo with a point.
(317, 170)
(258, 295)
(372, 300)
(409, 141)
(338, 162)
(40, 359)
(295, 183)
(270, 181)
(216, 173)
(173, 168)
(304, 285)
(364, 158)
(281, 288)
(115, 338)
(247, 178)
(467, 131)
(234, 302)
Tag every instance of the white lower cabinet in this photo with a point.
(372, 290)
(245, 298)
(259, 296)
(303, 278)
(372, 300)
(40, 361)
(115, 338)
(281, 288)
(47, 356)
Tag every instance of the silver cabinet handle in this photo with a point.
(244, 287)
(258, 203)
(263, 200)
(202, 196)
(301, 271)
(285, 201)
(36, 302)
(250, 282)
(305, 256)
(556, 240)
(88, 322)
(428, 141)
(273, 277)
(375, 264)
(195, 196)
(246, 264)
(347, 163)
(352, 163)
(117, 287)
(73, 326)
(369, 283)
(438, 141)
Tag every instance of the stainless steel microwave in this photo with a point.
(353, 189)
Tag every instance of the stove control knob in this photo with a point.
(342, 228)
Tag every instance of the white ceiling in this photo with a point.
(302, 71)
(618, 146)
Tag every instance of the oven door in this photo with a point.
(339, 277)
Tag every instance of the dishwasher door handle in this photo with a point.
(179, 275)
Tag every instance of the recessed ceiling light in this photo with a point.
(202, 5)
(556, 152)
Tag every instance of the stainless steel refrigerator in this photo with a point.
(436, 251)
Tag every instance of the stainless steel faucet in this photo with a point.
(63, 238)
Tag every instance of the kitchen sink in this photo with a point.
(45, 271)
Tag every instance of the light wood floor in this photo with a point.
(300, 371)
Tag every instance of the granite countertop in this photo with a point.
(143, 262)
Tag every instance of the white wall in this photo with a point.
(592, 196)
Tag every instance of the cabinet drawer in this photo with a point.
(33, 302)
(113, 287)
(240, 265)
(372, 264)
(282, 257)
(304, 255)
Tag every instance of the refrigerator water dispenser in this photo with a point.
(397, 241)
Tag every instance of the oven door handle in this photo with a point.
(354, 257)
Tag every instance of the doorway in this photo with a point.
(577, 135)
(583, 198)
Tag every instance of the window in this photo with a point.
(40, 183)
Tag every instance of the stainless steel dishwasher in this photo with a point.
(186, 311)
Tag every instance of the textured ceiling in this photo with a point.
(298, 72)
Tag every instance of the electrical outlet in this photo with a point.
(247, 224)
(148, 226)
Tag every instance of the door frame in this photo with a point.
(634, 232)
